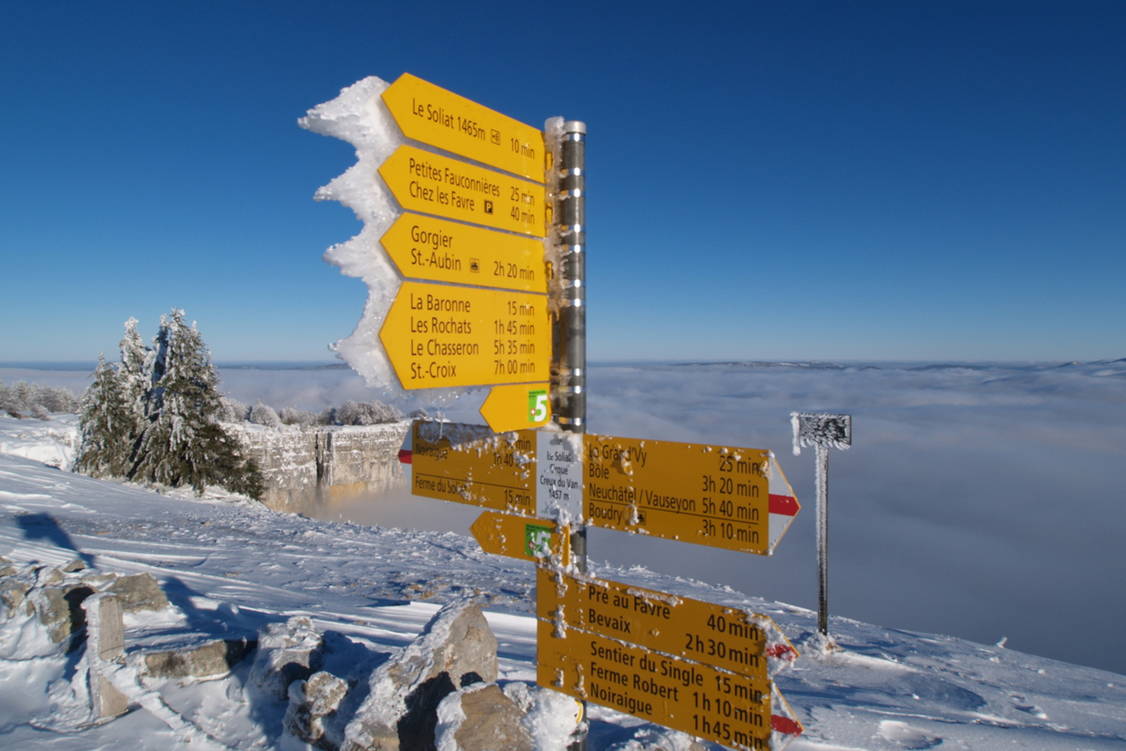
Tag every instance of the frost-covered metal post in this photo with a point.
(566, 253)
(824, 431)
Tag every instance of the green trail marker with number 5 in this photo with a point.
(517, 406)
(516, 536)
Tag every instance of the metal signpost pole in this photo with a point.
(823, 431)
(568, 368)
(821, 478)
(568, 289)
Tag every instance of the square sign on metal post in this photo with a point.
(821, 429)
(824, 431)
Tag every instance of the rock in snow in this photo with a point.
(310, 702)
(287, 652)
(213, 658)
(480, 718)
(456, 649)
(139, 592)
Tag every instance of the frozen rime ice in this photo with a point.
(359, 117)
(821, 429)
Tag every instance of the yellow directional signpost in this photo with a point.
(709, 495)
(441, 335)
(441, 118)
(473, 311)
(517, 406)
(720, 636)
(433, 184)
(474, 466)
(698, 699)
(447, 336)
(424, 247)
(517, 536)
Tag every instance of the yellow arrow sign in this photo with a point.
(516, 536)
(441, 118)
(709, 495)
(433, 184)
(724, 707)
(438, 336)
(517, 407)
(470, 464)
(701, 631)
(424, 247)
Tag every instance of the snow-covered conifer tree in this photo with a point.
(183, 443)
(136, 368)
(135, 374)
(106, 423)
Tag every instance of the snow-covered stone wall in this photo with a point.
(309, 467)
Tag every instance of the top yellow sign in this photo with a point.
(441, 118)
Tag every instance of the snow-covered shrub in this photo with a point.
(263, 414)
(359, 413)
(10, 403)
(232, 410)
(23, 399)
(54, 399)
(293, 416)
(365, 413)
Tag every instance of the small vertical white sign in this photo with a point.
(559, 475)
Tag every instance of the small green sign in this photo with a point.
(537, 405)
(537, 540)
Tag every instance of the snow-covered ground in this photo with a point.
(230, 566)
(52, 442)
(973, 494)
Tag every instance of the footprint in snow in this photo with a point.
(906, 736)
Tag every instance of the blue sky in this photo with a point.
(765, 181)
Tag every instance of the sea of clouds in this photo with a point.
(984, 500)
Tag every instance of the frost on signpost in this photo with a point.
(358, 116)
(452, 201)
(824, 431)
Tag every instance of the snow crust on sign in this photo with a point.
(825, 430)
(552, 441)
(231, 569)
(359, 117)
